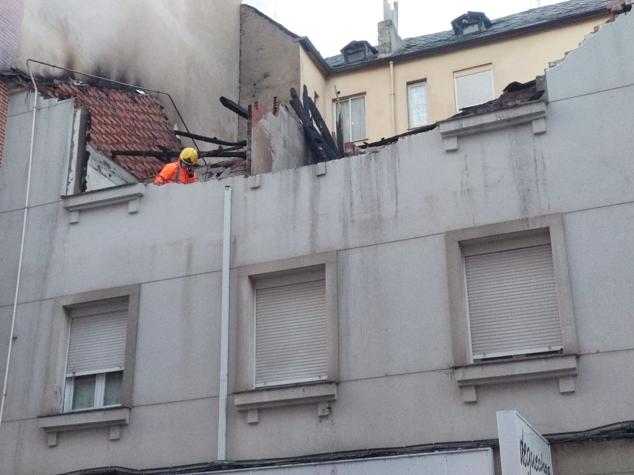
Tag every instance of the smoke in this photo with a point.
(187, 48)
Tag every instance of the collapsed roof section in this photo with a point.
(121, 120)
(124, 134)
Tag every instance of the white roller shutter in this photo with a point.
(291, 333)
(512, 302)
(97, 337)
(473, 89)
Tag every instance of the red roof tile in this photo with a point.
(122, 120)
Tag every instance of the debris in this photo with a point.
(321, 144)
(235, 107)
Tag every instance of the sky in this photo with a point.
(331, 24)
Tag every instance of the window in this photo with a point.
(96, 351)
(287, 334)
(417, 104)
(91, 362)
(351, 113)
(358, 51)
(511, 297)
(510, 304)
(470, 22)
(291, 329)
(473, 87)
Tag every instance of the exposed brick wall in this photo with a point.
(4, 109)
(10, 23)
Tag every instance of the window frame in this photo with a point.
(469, 374)
(100, 376)
(468, 72)
(365, 115)
(246, 395)
(498, 233)
(525, 240)
(54, 401)
(99, 391)
(305, 275)
(409, 111)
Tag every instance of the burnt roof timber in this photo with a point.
(213, 140)
(164, 155)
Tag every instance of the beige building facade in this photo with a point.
(423, 79)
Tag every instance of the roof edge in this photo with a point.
(472, 42)
(304, 41)
(266, 17)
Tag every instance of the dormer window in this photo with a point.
(358, 51)
(470, 22)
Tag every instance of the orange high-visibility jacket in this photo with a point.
(173, 173)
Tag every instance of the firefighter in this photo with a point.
(180, 171)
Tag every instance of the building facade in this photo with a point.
(407, 83)
(381, 304)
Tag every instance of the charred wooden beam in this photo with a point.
(331, 147)
(234, 107)
(213, 140)
(315, 140)
(339, 134)
(224, 153)
(166, 155)
(144, 153)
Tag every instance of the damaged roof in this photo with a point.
(121, 119)
(515, 94)
(518, 23)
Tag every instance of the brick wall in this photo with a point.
(4, 108)
(10, 23)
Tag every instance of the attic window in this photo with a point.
(470, 22)
(358, 51)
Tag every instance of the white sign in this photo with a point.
(523, 450)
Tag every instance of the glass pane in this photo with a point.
(112, 392)
(417, 100)
(357, 116)
(84, 392)
(343, 108)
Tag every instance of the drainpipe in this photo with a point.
(224, 328)
(22, 239)
(392, 98)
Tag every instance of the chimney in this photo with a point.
(389, 41)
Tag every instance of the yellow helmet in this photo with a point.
(189, 155)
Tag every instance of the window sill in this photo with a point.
(129, 194)
(559, 367)
(532, 112)
(317, 393)
(112, 418)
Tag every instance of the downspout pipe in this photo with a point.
(392, 98)
(224, 327)
(22, 240)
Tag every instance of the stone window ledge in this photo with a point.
(563, 368)
(533, 112)
(113, 418)
(129, 194)
(316, 393)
